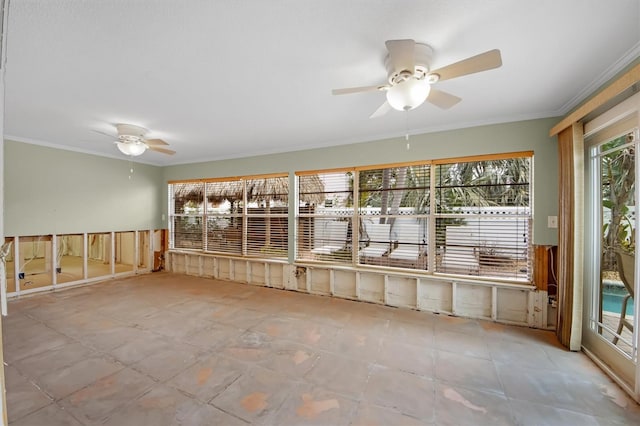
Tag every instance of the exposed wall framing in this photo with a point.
(505, 303)
(134, 251)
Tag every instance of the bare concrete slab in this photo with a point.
(167, 349)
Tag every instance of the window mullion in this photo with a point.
(245, 221)
(431, 254)
(204, 218)
(355, 222)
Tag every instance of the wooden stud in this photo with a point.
(136, 251)
(85, 256)
(332, 282)
(494, 303)
(454, 295)
(54, 256)
(112, 261)
(385, 287)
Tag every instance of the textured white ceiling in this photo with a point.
(232, 78)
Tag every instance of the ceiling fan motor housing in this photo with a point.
(423, 54)
(130, 131)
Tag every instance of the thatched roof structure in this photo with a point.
(311, 189)
(188, 192)
(261, 189)
(218, 192)
(276, 189)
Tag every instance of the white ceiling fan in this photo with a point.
(131, 141)
(409, 79)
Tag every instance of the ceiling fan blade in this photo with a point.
(482, 62)
(442, 99)
(382, 110)
(349, 90)
(155, 142)
(402, 54)
(162, 150)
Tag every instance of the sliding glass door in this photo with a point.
(610, 332)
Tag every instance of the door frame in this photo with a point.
(625, 371)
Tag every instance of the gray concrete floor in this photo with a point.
(165, 349)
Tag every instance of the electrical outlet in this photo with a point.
(552, 221)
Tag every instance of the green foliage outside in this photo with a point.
(503, 182)
(617, 168)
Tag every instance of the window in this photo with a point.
(224, 218)
(267, 216)
(393, 207)
(186, 214)
(483, 218)
(241, 216)
(325, 216)
(468, 216)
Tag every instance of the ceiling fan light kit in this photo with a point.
(408, 94)
(132, 149)
(409, 77)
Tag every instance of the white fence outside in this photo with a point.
(504, 230)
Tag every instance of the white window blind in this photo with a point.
(240, 216)
(186, 215)
(325, 216)
(267, 216)
(393, 207)
(224, 224)
(483, 218)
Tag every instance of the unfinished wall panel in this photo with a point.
(401, 291)
(69, 258)
(494, 301)
(371, 287)
(10, 265)
(435, 296)
(209, 267)
(276, 274)
(344, 284)
(192, 265)
(35, 267)
(257, 276)
(124, 251)
(473, 301)
(224, 268)
(99, 255)
(512, 305)
(300, 278)
(319, 283)
(177, 262)
(143, 253)
(240, 270)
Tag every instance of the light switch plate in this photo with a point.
(552, 221)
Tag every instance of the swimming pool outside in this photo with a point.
(612, 297)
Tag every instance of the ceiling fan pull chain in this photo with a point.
(406, 126)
